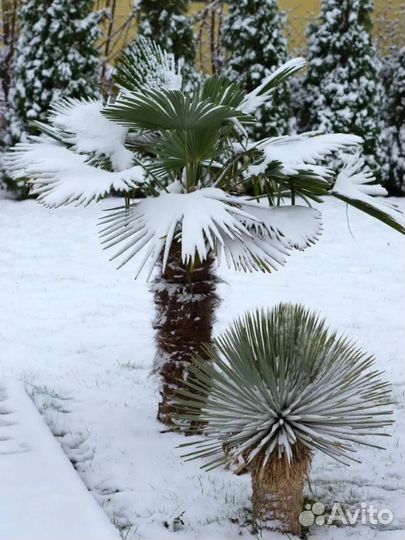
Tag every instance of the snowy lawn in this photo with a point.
(78, 333)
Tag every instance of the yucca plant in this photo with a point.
(279, 387)
(188, 153)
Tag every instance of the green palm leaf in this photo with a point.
(281, 74)
(221, 91)
(356, 186)
(165, 110)
(145, 65)
(262, 93)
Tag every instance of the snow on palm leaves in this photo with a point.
(281, 378)
(59, 176)
(187, 152)
(252, 237)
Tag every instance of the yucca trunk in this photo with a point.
(185, 302)
(278, 490)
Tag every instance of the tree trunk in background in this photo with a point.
(8, 39)
(278, 490)
(185, 305)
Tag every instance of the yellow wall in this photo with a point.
(388, 20)
(299, 13)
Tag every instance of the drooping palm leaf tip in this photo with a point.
(280, 386)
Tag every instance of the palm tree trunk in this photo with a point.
(278, 490)
(185, 303)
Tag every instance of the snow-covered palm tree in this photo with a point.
(189, 154)
(280, 386)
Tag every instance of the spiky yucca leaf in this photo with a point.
(281, 377)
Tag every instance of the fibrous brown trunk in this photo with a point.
(185, 302)
(278, 490)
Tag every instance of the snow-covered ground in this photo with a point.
(44, 497)
(78, 333)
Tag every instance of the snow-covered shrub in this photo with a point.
(3, 140)
(297, 99)
(55, 57)
(343, 91)
(253, 37)
(394, 81)
(167, 23)
(280, 386)
(4, 137)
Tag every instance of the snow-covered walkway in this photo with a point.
(41, 495)
(78, 333)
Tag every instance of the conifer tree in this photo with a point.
(167, 23)
(255, 45)
(343, 91)
(55, 57)
(394, 79)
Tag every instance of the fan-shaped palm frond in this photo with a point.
(221, 91)
(355, 185)
(300, 152)
(279, 379)
(310, 183)
(209, 220)
(262, 93)
(80, 124)
(167, 109)
(299, 226)
(144, 65)
(176, 149)
(288, 166)
(60, 176)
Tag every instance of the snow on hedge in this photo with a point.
(342, 88)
